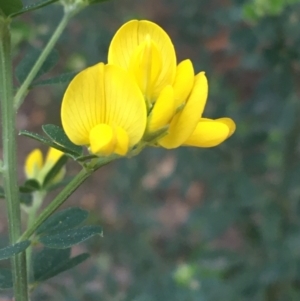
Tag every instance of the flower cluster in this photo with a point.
(141, 97)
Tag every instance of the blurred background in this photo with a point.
(188, 224)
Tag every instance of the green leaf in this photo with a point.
(48, 142)
(63, 220)
(29, 60)
(55, 170)
(60, 79)
(33, 6)
(8, 7)
(49, 263)
(26, 199)
(5, 279)
(9, 251)
(29, 186)
(68, 238)
(47, 259)
(58, 135)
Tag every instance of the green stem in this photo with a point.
(59, 200)
(38, 198)
(65, 193)
(21, 93)
(9, 168)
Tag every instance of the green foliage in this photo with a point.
(5, 279)
(28, 61)
(51, 262)
(63, 220)
(58, 136)
(62, 230)
(260, 8)
(30, 186)
(9, 7)
(71, 237)
(32, 7)
(58, 140)
(10, 251)
(60, 79)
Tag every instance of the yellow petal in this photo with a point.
(162, 111)
(33, 164)
(83, 105)
(130, 36)
(230, 123)
(122, 142)
(53, 155)
(125, 104)
(103, 94)
(184, 82)
(102, 140)
(184, 122)
(209, 133)
(146, 65)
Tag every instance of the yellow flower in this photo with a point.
(104, 109)
(36, 168)
(174, 95)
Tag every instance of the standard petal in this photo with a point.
(209, 133)
(184, 81)
(162, 111)
(33, 164)
(146, 65)
(103, 94)
(130, 36)
(125, 106)
(83, 105)
(184, 122)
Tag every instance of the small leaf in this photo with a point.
(71, 237)
(46, 260)
(5, 279)
(50, 263)
(58, 136)
(8, 7)
(63, 220)
(29, 60)
(60, 79)
(33, 6)
(29, 186)
(26, 199)
(9, 251)
(55, 170)
(47, 142)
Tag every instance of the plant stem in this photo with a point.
(63, 195)
(9, 168)
(21, 93)
(38, 198)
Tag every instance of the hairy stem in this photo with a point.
(9, 167)
(23, 90)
